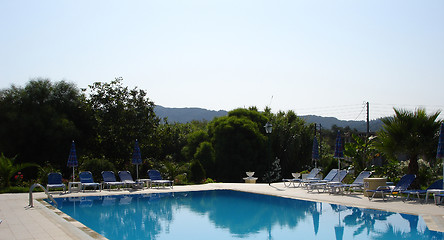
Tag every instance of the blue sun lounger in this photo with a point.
(109, 179)
(156, 179)
(86, 180)
(330, 176)
(127, 179)
(55, 181)
(328, 181)
(395, 191)
(357, 183)
(438, 184)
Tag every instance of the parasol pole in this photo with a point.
(137, 171)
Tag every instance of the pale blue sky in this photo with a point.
(319, 57)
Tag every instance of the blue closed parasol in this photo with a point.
(315, 151)
(137, 157)
(339, 152)
(72, 159)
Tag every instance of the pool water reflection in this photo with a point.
(225, 214)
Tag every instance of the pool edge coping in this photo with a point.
(71, 221)
(433, 222)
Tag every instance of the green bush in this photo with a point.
(209, 180)
(171, 169)
(428, 174)
(96, 166)
(181, 179)
(197, 172)
(392, 170)
(205, 154)
(9, 169)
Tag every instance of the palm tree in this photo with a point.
(410, 133)
(8, 169)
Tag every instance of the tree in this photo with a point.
(171, 140)
(40, 120)
(291, 142)
(197, 171)
(121, 116)
(361, 151)
(194, 139)
(206, 156)
(410, 133)
(239, 144)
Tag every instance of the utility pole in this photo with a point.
(320, 140)
(368, 122)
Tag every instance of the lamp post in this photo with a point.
(268, 128)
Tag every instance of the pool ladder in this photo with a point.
(31, 203)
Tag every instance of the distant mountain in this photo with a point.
(184, 115)
(328, 122)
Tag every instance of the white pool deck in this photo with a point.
(41, 222)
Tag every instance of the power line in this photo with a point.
(363, 107)
(354, 111)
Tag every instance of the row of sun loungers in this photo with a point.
(402, 188)
(333, 183)
(109, 180)
(311, 176)
(334, 177)
(126, 180)
(358, 183)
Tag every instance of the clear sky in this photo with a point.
(320, 57)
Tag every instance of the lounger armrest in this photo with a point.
(312, 179)
(381, 188)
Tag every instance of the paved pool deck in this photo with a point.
(46, 222)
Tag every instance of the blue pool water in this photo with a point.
(224, 214)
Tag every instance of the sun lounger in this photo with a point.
(395, 191)
(324, 186)
(127, 179)
(438, 184)
(156, 179)
(55, 181)
(109, 179)
(86, 180)
(358, 183)
(330, 176)
(312, 175)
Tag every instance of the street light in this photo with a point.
(268, 128)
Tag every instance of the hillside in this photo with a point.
(183, 115)
(328, 122)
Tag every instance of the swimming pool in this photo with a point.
(226, 214)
